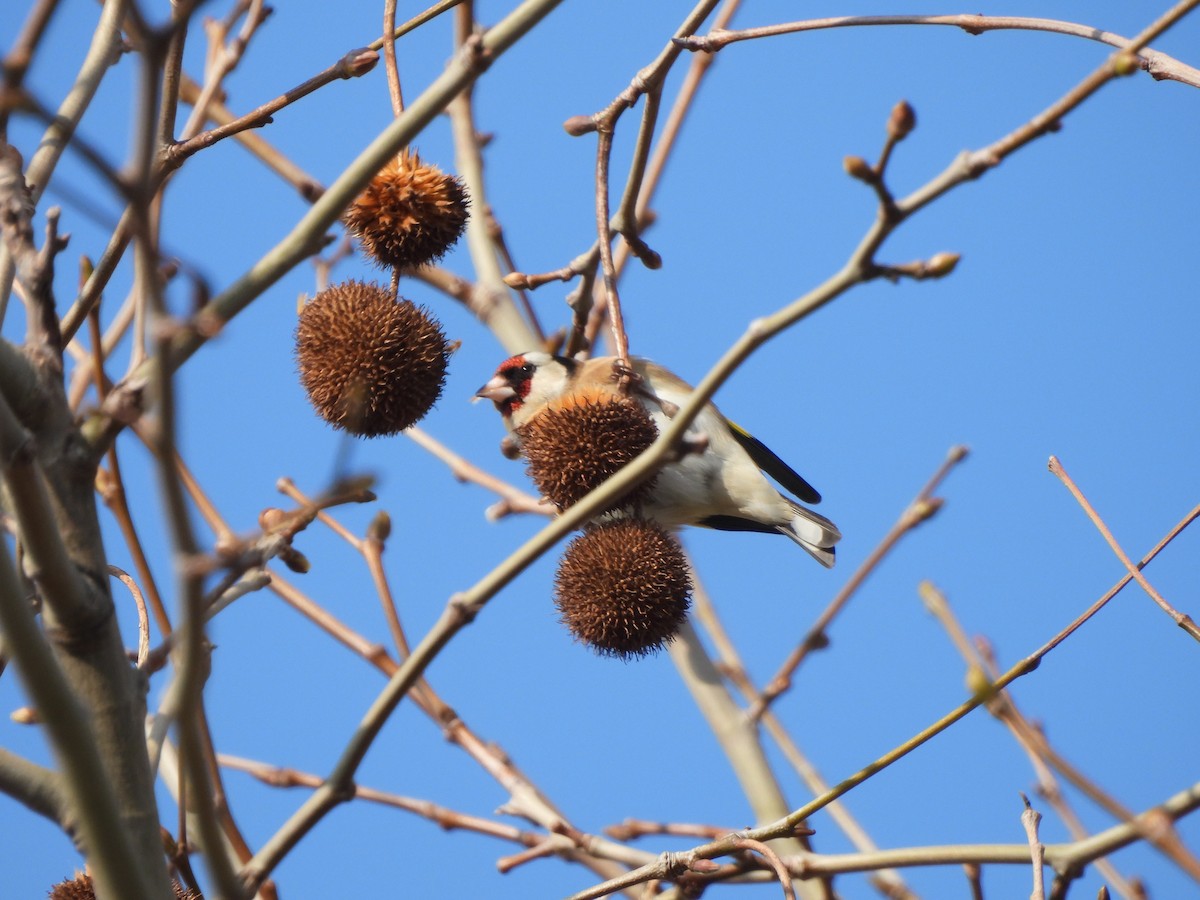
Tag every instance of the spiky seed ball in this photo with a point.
(81, 887)
(78, 888)
(371, 364)
(410, 214)
(583, 438)
(623, 588)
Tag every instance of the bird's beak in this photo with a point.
(497, 390)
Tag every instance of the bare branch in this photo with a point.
(1183, 620)
(1159, 65)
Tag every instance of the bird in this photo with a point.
(720, 483)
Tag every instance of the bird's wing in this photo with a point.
(766, 460)
(737, 523)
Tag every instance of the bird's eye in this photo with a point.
(526, 370)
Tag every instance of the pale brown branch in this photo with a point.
(1030, 819)
(981, 666)
(1159, 65)
(352, 65)
(223, 59)
(1183, 620)
(512, 499)
(389, 57)
(143, 617)
(922, 508)
(888, 881)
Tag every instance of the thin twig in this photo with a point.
(281, 777)
(16, 63)
(611, 297)
(773, 860)
(512, 499)
(887, 880)
(1159, 65)
(351, 65)
(143, 617)
(224, 57)
(785, 825)
(106, 41)
(923, 507)
(981, 665)
(389, 57)
(1030, 819)
(1183, 620)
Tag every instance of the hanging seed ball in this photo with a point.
(81, 887)
(623, 588)
(580, 440)
(410, 214)
(371, 364)
(78, 888)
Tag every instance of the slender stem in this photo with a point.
(20, 55)
(1159, 65)
(415, 22)
(1183, 620)
(389, 57)
(1030, 819)
(224, 58)
(352, 65)
(1076, 854)
(512, 499)
(923, 507)
(737, 736)
(491, 301)
(611, 297)
(892, 884)
(106, 42)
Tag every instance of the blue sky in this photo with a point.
(1069, 328)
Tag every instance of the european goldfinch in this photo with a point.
(721, 484)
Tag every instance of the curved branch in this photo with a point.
(1160, 66)
(105, 44)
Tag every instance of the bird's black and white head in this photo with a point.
(524, 383)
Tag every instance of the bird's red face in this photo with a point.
(510, 385)
(526, 382)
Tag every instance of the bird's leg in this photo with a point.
(623, 374)
(669, 409)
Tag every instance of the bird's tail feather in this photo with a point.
(814, 533)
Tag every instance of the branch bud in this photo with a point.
(977, 682)
(380, 527)
(902, 121)
(941, 264)
(295, 560)
(857, 167)
(271, 519)
(577, 126)
(1126, 64)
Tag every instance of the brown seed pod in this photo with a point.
(81, 888)
(410, 214)
(623, 588)
(78, 888)
(371, 364)
(580, 440)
